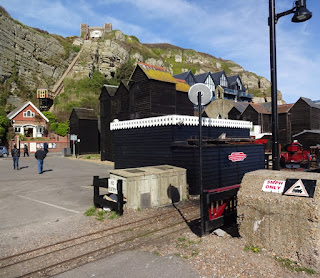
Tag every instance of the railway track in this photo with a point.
(56, 258)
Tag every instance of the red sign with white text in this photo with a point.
(274, 186)
(238, 156)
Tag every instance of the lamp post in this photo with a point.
(300, 14)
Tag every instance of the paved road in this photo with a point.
(64, 189)
(36, 208)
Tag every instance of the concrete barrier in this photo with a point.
(152, 186)
(284, 224)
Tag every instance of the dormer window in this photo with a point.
(223, 81)
(28, 114)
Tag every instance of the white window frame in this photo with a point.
(223, 80)
(28, 114)
(239, 84)
(209, 82)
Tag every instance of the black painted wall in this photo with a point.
(140, 147)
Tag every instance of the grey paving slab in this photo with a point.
(134, 264)
(62, 190)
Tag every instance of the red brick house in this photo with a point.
(28, 120)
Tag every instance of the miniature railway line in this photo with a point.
(68, 254)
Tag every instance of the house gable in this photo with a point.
(27, 112)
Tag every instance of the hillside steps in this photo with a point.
(59, 87)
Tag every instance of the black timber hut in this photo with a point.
(308, 138)
(153, 92)
(284, 120)
(84, 124)
(236, 111)
(114, 103)
(258, 115)
(305, 115)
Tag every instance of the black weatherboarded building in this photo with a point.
(152, 91)
(84, 124)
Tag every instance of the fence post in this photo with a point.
(95, 188)
(120, 197)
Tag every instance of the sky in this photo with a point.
(234, 30)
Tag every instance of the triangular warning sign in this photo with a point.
(297, 189)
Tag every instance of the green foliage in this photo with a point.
(4, 125)
(293, 266)
(123, 72)
(254, 249)
(50, 116)
(100, 214)
(84, 93)
(60, 128)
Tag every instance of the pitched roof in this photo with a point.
(216, 76)
(284, 108)
(182, 75)
(259, 108)
(310, 102)
(17, 110)
(111, 89)
(314, 131)
(85, 113)
(241, 106)
(233, 79)
(182, 85)
(201, 78)
(156, 73)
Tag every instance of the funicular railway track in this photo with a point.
(59, 257)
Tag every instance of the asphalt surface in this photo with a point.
(37, 206)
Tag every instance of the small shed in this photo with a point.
(308, 138)
(84, 124)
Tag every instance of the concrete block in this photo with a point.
(286, 225)
(152, 186)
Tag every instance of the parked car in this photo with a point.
(4, 151)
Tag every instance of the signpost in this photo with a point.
(73, 138)
(200, 94)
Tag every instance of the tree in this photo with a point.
(4, 125)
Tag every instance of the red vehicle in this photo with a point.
(295, 156)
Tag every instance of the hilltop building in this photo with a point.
(89, 33)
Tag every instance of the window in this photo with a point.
(239, 84)
(17, 129)
(28, 114)
(209, 82)
(223, 81)
(40, 129)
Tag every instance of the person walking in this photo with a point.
(40, 156)
(25, 150)
(45, 147)
(15, 153)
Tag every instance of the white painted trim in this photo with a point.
(24, 106)
(178, 120)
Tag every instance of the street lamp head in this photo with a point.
(301, 13)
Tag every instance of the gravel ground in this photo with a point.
(210, 256)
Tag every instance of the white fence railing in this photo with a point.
(178, 120)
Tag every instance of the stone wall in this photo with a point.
(288, 226)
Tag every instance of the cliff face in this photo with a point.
(106, 55)
(36, 59)
(33, 58)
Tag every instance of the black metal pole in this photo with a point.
(200, 165)
(274, 97)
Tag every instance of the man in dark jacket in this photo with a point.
(40, 156)
(15, 153)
